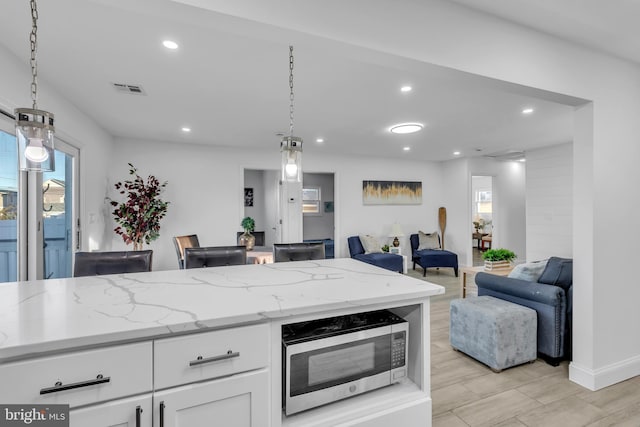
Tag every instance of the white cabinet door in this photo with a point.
(237, 401)
(131, 412)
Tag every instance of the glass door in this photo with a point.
(59, 211)
(8, 203)
(38, 212)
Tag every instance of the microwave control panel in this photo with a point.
(398, 346)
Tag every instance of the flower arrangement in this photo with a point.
(138, 218)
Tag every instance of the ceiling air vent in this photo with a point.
(130, 89)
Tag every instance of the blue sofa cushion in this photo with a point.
(558, 272)
(385, 260)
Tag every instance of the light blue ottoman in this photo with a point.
(498, 333)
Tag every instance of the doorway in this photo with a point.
(482, 218)
(261, 202)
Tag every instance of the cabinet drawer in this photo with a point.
(191, 358)
(125, 370)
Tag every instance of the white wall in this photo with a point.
(75, 128)
(549, 203)
(509, 229)
(206, 192)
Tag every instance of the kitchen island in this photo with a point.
(135, 329)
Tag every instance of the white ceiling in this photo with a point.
(608, 26)
(229, 80)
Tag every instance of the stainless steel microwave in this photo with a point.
(331, 359)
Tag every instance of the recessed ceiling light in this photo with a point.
(405, 89)
(406, 128)
(456, 153)
(319, 140)
(186, 129)
(169, 44)
(406, 148)
(522, 160)
(527, 111)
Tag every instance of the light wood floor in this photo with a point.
(467, 393)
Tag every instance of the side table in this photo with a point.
(468, 278)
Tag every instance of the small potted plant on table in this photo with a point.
(247, 239)
(498, 258)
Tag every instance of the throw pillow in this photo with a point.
(530, 271)
(558, 272)
(428, 240)
(370, 244)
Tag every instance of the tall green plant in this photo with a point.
(138, 217)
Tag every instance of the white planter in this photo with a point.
(496, 265)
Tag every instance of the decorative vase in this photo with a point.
(247, 240)
(496, 265)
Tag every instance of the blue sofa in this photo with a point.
(389, 261)
(551, 297)
(427, 258)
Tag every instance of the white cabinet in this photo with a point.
(131, 412)
(79, 378)
(197, 357)
(213, 378)
(237, 401)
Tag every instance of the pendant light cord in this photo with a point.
(291, 91)
(33, 38)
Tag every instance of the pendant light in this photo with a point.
(291, 146)
(34, 128)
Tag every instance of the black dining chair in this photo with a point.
(214, 256)
(283, 252)
(183, 242)
(116, 262)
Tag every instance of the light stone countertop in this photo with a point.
(44, 316)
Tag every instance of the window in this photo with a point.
(483, 200)
(311, 200)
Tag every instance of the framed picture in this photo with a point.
(248, 196)
(391, 192)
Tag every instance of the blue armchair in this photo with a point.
(388, 261)
(427, 258)
(551, 297)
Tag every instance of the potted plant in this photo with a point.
(138, 217)
(247, 239)
(498, 258)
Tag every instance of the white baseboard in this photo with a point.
(595, 379)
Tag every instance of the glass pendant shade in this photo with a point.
(35, 135)
(291, 148)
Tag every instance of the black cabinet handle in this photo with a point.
(162, 414)
(138, 413)
(61, 387)
(200, 361)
